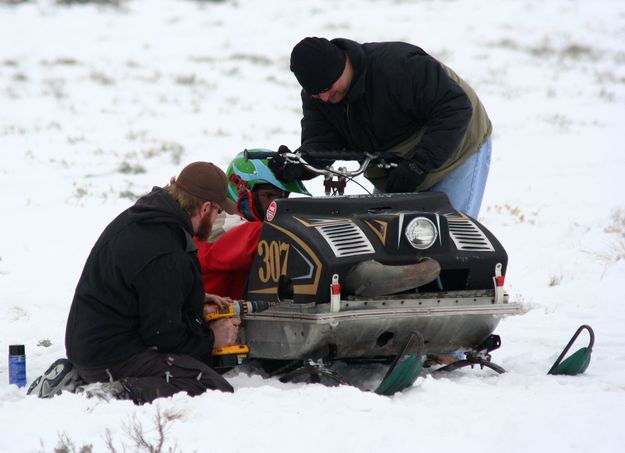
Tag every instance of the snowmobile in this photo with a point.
(386, 278)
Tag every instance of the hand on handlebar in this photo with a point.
(406, 177)
(289, 166)
(284, 170)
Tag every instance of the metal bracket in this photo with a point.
(335, 187)
(335, 294)
(478, 356)
(314, 369)
(498, 281)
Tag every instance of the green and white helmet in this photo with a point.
(243, 175)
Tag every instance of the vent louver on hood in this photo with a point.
(467, 236)
(346, 239)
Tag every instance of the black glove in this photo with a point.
(406, 177)
(287, 171)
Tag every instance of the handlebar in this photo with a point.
(336, 155)
(313, 154)
(301, 157)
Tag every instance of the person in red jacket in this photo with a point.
(225, 264)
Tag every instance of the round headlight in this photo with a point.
(421, 233)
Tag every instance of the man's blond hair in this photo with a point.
(190, 203)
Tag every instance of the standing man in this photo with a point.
(136, 319)
(394, 97)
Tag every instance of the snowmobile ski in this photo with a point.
(577, 362)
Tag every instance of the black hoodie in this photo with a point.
(140, 288)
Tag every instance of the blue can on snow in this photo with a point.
(17, 365)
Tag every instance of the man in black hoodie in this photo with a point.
(137, 316)
(393, 97)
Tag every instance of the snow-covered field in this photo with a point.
(99, 103)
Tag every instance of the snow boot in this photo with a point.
(58, 377)
(106, 391)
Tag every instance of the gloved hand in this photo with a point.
(286, 171)
(405, 177)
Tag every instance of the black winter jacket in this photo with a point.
(399, 95)
(140, 288)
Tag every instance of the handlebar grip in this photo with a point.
(258, 154)
(333, 155)
(310, 154)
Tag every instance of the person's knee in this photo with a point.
(187, 367)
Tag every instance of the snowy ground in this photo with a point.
(99, 103)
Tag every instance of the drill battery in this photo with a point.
(230, 356)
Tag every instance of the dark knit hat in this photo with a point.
(317, 63)
(207, 182)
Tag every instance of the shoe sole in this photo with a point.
(53, 380)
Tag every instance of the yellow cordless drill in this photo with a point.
(236, 354)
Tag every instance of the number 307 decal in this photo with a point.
(275, 256)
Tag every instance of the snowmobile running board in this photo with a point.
(377, 327)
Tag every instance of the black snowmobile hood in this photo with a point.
(359, 64)
(158, 206)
